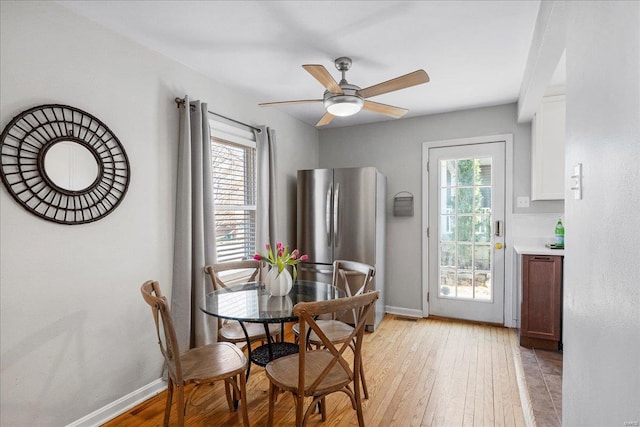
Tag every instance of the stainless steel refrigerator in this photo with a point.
(341, 216)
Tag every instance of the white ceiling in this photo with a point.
(474, 51)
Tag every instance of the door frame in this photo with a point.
(510, 293)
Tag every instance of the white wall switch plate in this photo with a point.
(576, 181)
(522, 201)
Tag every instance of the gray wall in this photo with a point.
(601, 381)
(75, 333)
(395, 148)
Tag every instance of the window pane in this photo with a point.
(465, 200)
(465, 228)
(447, 255)
(483, 175)
(448, 172)
(465, 256)
(482, 232)
(483, 199)
(466, 172)
(447, 200)
(447, 282)
(234, 182)
(482, 259)
(447, 228)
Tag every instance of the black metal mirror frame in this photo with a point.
(24, 144)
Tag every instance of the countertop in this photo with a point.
(536, 249)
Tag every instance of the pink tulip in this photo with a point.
(279, 246)
(304, 257)
(268, 246)
(257, 257)
(294, 254)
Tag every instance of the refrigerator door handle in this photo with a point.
(336, 211)
(327, 214)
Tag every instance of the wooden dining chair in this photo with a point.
(231, 330)
(201, 365)
(320, 372)
(346, 274)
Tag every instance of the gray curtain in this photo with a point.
(194, 234)
(266, 215)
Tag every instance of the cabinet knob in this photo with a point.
(498, 246)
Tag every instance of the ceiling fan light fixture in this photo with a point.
(343, 105)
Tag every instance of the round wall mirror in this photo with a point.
(63, 164)
(70, 165)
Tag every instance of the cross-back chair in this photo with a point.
(319, 372)
(231, 330)
(346, 275)
(201, 365)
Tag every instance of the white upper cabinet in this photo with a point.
(547, 149)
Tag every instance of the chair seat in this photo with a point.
(212, 362)
(284, 372)
(232, 331)
(335, 330)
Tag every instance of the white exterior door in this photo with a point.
(466, 257)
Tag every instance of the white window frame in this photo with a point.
(224, 133)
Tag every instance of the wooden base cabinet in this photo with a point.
(541, 302)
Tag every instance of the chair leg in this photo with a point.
(364, 381)
(227, 392)
(167, 409)
(299, 411)
(243, 400)
(272, 400)
(180, 406)
(358, 402)
(360, 415)
(323, 409)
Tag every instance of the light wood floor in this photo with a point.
(420, 373)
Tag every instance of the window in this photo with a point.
(234, 181)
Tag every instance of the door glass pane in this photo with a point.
(448, 172)
(465, 229)
(482, 230)
(483, 172)
(447, 201)
(448, 255)
(447, 228)
(465, 256)
(447, 282)
(466, 172)
(465, 200)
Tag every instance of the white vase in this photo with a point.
(278, 284)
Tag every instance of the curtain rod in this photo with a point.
(181, 102)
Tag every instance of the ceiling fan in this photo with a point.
(344, 99)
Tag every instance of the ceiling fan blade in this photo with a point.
(322, 75)
(412, 79)
(325, 120)
(387, 110)
(302, 101)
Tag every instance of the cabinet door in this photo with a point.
(541, 297)
(547, 150)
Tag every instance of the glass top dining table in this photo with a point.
(251, 302)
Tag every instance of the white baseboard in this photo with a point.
(113, 409)
(521, 379)
(400, 311)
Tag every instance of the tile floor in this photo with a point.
(543, 373)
